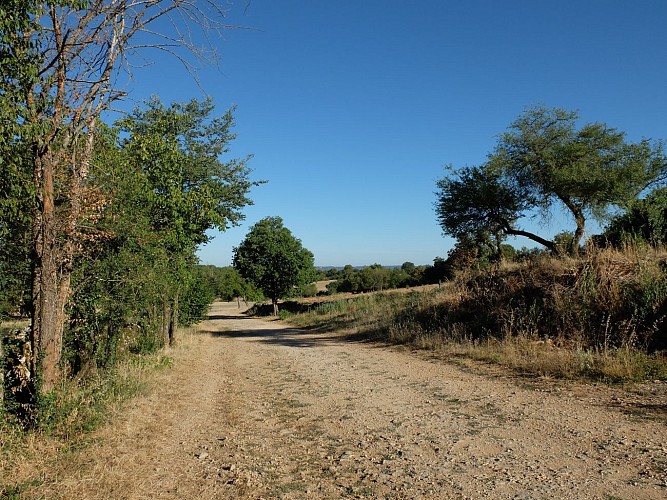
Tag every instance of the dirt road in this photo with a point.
(254, 410)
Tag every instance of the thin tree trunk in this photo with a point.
(166, 320)
(578, 233)
(579, 219)
(173, 325)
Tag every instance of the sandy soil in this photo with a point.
(252, 409)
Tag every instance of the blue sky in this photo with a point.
(352, 107)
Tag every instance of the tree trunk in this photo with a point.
(50, 280)
(173, 325)
(546, 243)
(578, 233)
(579, 219)
(2, 370)
(166, 320)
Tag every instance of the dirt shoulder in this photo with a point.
(253, 409)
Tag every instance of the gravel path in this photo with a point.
(253, 409)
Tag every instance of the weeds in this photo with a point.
(68, 414)
(601, 317)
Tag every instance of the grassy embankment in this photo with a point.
(65, 419)
(601, 317)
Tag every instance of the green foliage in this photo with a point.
(274, 260)
(309, 290)
(441, 270)
(475, 205)
(161, 188)
(19, 62)
(645, 221)
(227, 284)
(586, 170)
(541, 161)
(188, 189)
(196, 297)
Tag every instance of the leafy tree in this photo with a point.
(61, 60)
(476, 204)
(586, 170)
(227, 284)
(543, 160)
(187, 188)
(274, 260)
(645, 220)
(408, 267)
(439, 271)
(374, 278)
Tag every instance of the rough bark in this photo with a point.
(82, 49)
(50, 286)
(578, 233)
(578, 214)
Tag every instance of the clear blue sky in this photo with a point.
(352, 107)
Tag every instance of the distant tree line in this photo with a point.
(377, 277)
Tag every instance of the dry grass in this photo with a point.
(601, 317)
(68, 418)
(539, 358)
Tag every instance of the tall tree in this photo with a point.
(70, 54)
(274, 260)
(188, 189)
(585, 169)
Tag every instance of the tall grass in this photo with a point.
(67, 415)
(602, 316)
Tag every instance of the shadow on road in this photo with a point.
(213, 317)
(288, 337)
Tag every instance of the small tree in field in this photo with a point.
(274, 260)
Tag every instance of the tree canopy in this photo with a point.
(274, 260)
(544, 160)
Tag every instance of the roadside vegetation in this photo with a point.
(100, 220)
(600, 316)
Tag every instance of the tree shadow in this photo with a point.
(289, 337)
(213, 317)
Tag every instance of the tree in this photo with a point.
(476, 204)
(544, 160)
(586, 170)
(645, 220)
(188, 189)
(63, 59)
(274, 260)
